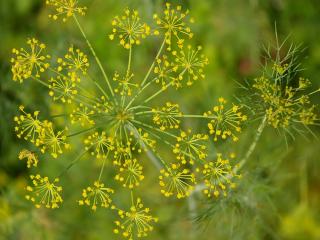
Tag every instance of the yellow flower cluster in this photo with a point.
(96, 195)
(286, 105)
(166, 117)
(130, 173)
(124, 87)
(135, 223)
(191, 64)
(63, 88)
(29, 62)
(82, 115)
(65, 8)
(122, 152)
(190, 146)
(177, 181)
(32, 159)
(43, 192)
(225, 122)
(174, 24)
(217, 175)
(75, 60)
(99, 144)
(165, 71)
(129, 29)
(118, 120)
(40, 133)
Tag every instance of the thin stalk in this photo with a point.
(73, 163)
(102, 168)
(94, 54)
(139, 92)
(157, 93)
(129, 61)
(149, 153)
(152, 65)
(253, 145)
(83, 131)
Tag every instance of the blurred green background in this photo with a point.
(279, 195)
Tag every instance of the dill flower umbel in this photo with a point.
(83, 115)
(217, 175)
(191, 65)
(189, 145)
(225, 122)
(29, 62)
(96, 195)
(53, 141)
(281, 95)
(289, 106)
(177, 181)
(99, 144)
(65, 8)
(75, 60)
(130, 173)
(129, 29)
(173, 22)
(32, 159)
(44, 192)
(28, 126)
(166, 117)
(136, 222)
(119, 119)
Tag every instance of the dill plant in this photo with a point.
(121, 123)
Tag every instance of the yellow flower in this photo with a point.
(43, 192)
(166, 117)
(63, 88)
(122, 152)
(53, 141)
(190, 147)
(30, 62)
(28, 126)
(125, 85)
(32, 159)
(129, 29)
(82, 115)
(225, 123)
(65, 8)
(218, 175)
(174, 24)
(130, 174)
(97, 195)
(164, 71)
(176, 181)
(144, 141)
(135, 223)
(74, 60)
(99, 144)
(285, 105)
(102, 105)
(190, 64)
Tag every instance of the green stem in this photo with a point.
(139, 92)
(152, 65)
(129, 61)
(102, 168)
(155, 129)
(83, 131)
(150, 154)
(73, 163)
(94, 54)
(253, 145)
(157, 93)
